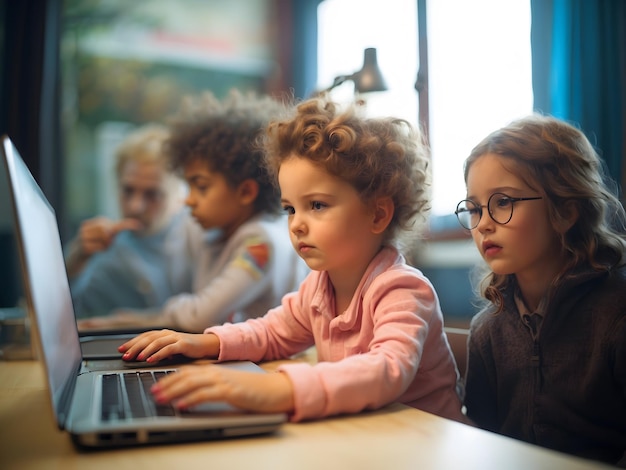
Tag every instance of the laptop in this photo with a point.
(103, 344)
(99, 403)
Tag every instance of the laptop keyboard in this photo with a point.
(127, 396)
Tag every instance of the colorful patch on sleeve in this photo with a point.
(254, 258)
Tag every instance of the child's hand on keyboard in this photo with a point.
(193, 385)
(154, 346)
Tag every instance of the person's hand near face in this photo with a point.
(95, 235)
(144, 205)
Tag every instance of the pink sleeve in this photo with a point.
(366, 363)
(279, 334)
(397, 312)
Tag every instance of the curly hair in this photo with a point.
(379, 157)
(222, 134)
(557, 160)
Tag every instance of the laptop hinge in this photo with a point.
(65, 399)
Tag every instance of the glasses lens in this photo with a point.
(500, 208)
(468, 214)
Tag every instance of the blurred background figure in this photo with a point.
(244, 262)
(144, 258)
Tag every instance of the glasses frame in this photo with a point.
(480, 208)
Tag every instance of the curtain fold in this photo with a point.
(579, 71)
(304, 46)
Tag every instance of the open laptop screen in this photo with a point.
(45, 279)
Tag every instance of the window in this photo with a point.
(479, 80)
(348, 27)
(479, 70)
(129, 63)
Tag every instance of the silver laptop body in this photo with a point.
(76, 386)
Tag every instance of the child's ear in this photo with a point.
(248, 191)
(569, 215)
(383, 213)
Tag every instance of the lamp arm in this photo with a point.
(338, 81)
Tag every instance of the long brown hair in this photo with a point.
(556, 159)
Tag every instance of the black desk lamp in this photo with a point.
(369, 78)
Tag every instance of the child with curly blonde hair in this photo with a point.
(350, 186)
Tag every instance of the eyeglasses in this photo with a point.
(499, 206)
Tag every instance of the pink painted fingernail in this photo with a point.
(159, 398)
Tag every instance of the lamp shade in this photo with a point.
(369, 78)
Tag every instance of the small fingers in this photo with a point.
(152, 346)
(142, 339)
(190, 386)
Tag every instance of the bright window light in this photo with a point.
(479, 80)
(347, 28)
(479, 70)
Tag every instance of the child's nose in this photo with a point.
(485, 223)
(296, 224)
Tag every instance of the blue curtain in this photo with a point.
(579, 70)
(304, 46)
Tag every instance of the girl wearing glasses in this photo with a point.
(350, 187)
(547, 354)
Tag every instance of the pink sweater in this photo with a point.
(388, 346)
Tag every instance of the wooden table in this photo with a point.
(396, 437)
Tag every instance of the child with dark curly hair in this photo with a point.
(244, 262)
(350, 186)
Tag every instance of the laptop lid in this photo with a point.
(76, 391)
(35, 222)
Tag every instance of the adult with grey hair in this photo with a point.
(144, 258)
